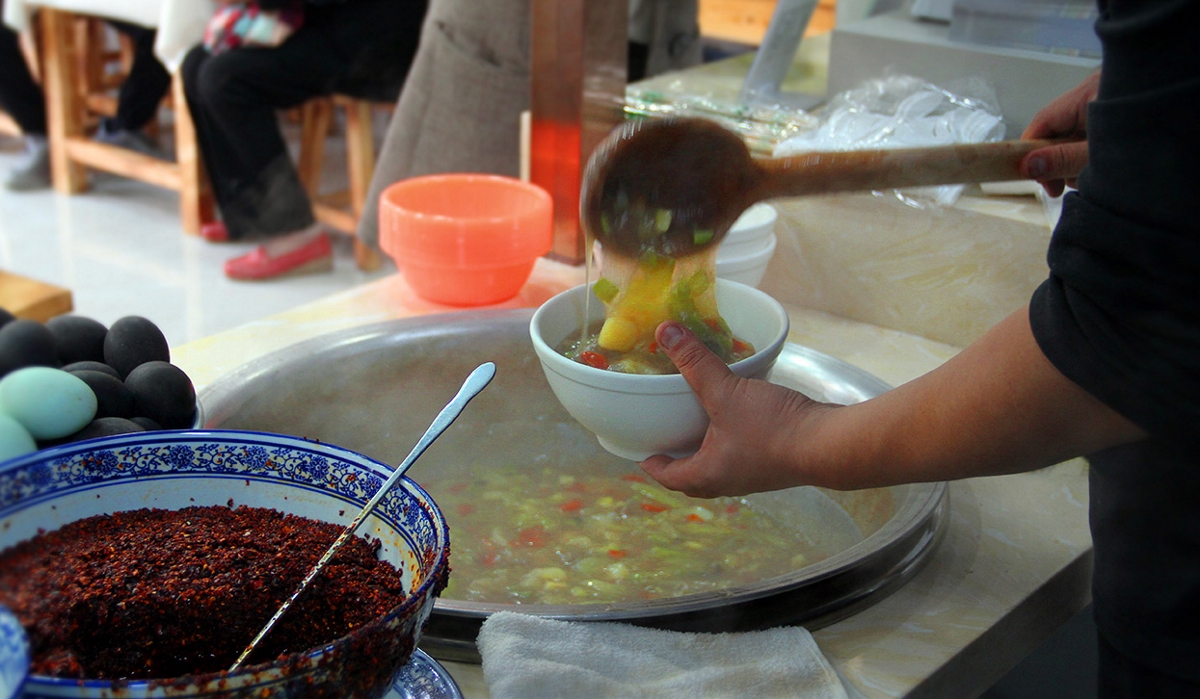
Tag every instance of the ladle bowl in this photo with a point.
(674, 186)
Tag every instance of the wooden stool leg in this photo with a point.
(64, 111)
(360, 153)
(195, 196)
(315, 117)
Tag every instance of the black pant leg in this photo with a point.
(147, 82)
(234, 98)
(20, 96)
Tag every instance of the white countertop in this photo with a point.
(1014, 565)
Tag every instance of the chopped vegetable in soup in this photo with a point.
(537, 536)
(638, 295)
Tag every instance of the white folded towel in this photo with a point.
(529, 657)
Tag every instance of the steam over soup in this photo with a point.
(638, 296)
(537, 536)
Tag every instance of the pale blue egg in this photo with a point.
(15, 440)
(49, 403)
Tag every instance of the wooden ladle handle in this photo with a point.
(844, 171)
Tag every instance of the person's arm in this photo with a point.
(1065, 117)
(997, 407)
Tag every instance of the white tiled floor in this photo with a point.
(120, 250)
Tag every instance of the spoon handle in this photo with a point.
(865, 170)
(476, 382)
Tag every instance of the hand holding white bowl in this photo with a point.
(636, 416)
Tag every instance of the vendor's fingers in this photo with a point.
(687, 475)
(704, 371)
(1066, 116)
(1054, 166)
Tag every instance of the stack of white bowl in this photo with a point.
(748, 246)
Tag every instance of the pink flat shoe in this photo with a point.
(215, 232)
(316, 256)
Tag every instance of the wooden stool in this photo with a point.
(341, 210)
(71, 152)
(33, 300)
(100, 69)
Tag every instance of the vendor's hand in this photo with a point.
(1066, 118)
(753, 430)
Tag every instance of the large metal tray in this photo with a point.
(374, 389)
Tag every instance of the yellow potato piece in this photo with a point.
(618, 334)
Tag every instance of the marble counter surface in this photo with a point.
(1013, 566)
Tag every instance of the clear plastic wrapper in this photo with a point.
(901, 111)
(763, 126)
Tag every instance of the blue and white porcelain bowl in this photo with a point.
(14, 655)
(176, 469)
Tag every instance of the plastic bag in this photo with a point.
(902, 111)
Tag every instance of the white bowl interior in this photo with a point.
(637, 416)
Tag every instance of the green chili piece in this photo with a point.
(605, 290)
(662, 220)
(702, 236)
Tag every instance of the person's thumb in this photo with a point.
(1059, 162)
(703, 370)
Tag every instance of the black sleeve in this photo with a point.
(1120, 313)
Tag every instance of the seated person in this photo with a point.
(22, 98)
(460, 110)
(235, 91)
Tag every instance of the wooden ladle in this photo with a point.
(675, 186)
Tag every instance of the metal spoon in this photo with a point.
(476, 382)
(675, 186)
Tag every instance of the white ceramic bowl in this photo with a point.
(637, 416)
(750, 231)
(175, 469)
(749, 267)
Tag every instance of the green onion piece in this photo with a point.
(702, 236)
(662, 220)
(605, 290)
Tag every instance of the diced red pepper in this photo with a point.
(652, 348)
(739, 346)
(571, 505)
(731, 508)
(616, 553)
(713, 323)
(654, 507)
(594, 359)
(532, 537)
(633, 477)
(695, 518)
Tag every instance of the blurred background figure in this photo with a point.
(22, 98)
(235, 86)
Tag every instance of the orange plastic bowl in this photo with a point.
(465, 239)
